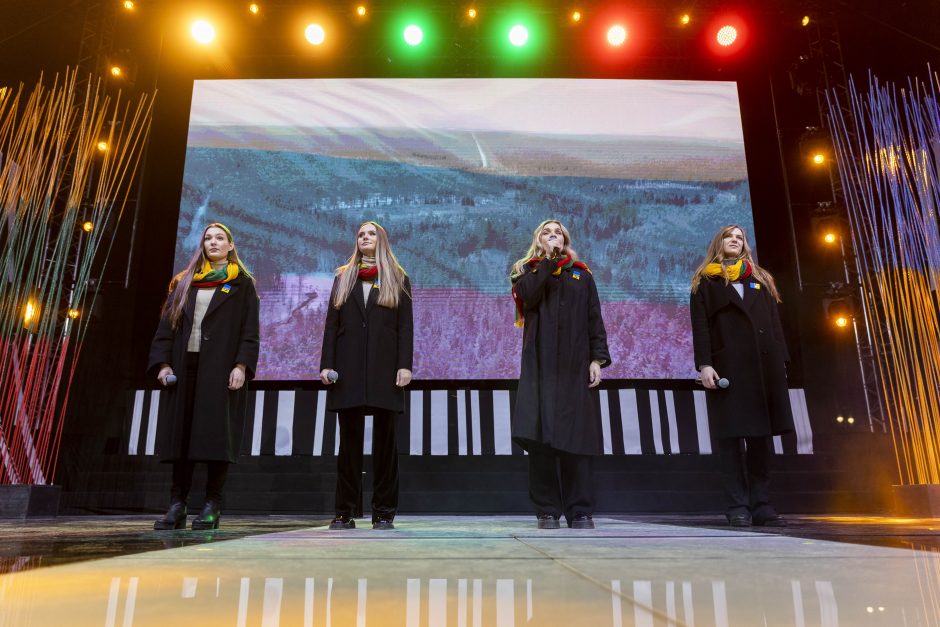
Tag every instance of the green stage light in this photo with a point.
(413, 35)
(518, 35)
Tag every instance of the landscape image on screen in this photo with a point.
(460, 172)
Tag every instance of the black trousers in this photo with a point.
(384, 463)
(560, 483)
(745, 470)
(184, 467)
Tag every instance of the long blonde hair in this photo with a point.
(535, 248)
(716, 254)
(391, 278)
(180, 284)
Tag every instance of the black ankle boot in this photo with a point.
(208, 518)
(175, 517)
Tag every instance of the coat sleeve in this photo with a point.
(530, 287)
(701, 338)
(161, 349)
(405, 328)
(596, 331)
(328, 348)
(249, 341)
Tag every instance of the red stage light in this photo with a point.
(727, 35)
(616, 35)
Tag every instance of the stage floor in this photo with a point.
(471, 571)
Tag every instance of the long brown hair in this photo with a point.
(180, 284)
(535, 248)
(391, 275)
(716, 254)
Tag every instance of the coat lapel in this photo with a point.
(357, 297)
(751, 293)
(220, 296)
(373, 296)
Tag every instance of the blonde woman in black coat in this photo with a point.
(366, 364)
(204, 350)
(564, 347)
(737, 337)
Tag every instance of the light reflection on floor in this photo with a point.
(474, 571)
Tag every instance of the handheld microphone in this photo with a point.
(333, 376)
(169, 380)
(723, 383)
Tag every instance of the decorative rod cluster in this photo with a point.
(67, 161)
(889, 160)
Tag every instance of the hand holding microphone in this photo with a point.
(710, 379)
(554, 247)
(328, 376)
(166, 376)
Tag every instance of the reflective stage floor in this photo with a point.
(468, 571)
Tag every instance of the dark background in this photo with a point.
(890, 40)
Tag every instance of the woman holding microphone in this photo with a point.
(564, 347)
(741, 355)
(204, 350)
(366, 364)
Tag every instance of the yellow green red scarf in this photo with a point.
(209, 277)
(737, 271)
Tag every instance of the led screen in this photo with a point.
(460, 172)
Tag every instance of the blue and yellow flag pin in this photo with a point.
(226, 288)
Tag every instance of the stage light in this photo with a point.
(315, 34)
(840, 419)
(116, 71)
(850, 420)
(816, 146)
(361, 10)
(88, 226)
(805, 20)
(841, 321)
(203, 32)
(726, 35)
(830, 237)
(576, 16)
(616, 35)
(518, 35)
(684, 19)
(31, 316)
(413, 35)
(253, 8)
(102, 146)
(819, 158)
(73, 313)
(472, 13)
(839, 306)
(129, 5)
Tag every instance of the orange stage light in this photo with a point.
(129, 5)
(73, 313)
(576, 16)
(616, 35)
(102, 146)
(361, 10)
(88, 226)
(116, 71)
(471, 13)
(819, 158)
(684, 19)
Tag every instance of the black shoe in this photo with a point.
(208, 518)
(175, 517)
(382, 523)
(739, 520)
(767, 516)
(547, 521)
(343, 522)
(581, 521)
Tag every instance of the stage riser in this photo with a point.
(639, 483)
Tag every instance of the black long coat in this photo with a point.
(742, 339)
(367, 344)
(563, 334)
(229, 337)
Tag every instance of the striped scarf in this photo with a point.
(561, 264)
(211, 277)
(368, 269)
(737, 271)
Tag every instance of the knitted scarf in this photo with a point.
(209, 277)
(368, 270)
(561, 264)
(737, 271)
